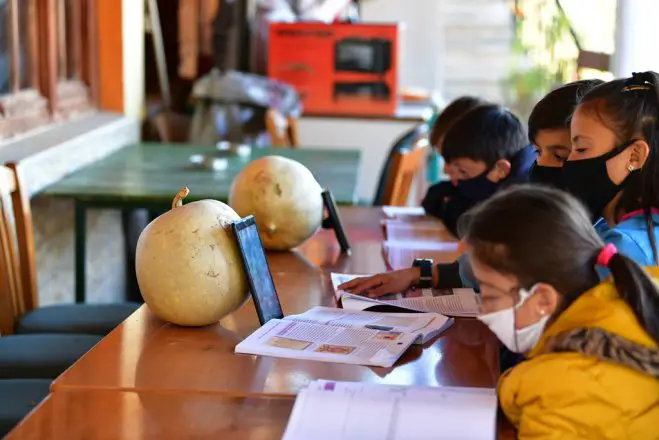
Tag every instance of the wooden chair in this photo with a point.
(18, 269)
(283, 131)
(404, 167)
(25, 359)
(171, 127)
(404, 142)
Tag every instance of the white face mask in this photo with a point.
(502, 324)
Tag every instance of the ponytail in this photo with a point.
(638, 290)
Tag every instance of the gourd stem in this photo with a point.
(178, 199)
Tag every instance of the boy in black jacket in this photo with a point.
(486, 149)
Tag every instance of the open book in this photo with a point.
(374, 412)
(449, 302)
(330, 334)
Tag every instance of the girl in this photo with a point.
(592, 353)
(614, 163)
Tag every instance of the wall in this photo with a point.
(454, 46)
(637, 34)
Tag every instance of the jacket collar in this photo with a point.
(601, 308)
(606, 346)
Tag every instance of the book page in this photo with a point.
(301, 340)
(397, 322)
(376, 411)
(403, 211)
(422, 245)
(463, 302)
(449, 302)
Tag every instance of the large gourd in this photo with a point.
(284, 198)
(188, 265)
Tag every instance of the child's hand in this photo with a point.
(384, 283)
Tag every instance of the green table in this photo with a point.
(148, 176)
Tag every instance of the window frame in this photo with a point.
(51, 98)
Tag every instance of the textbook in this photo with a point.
(450, 302)
(330, 334)
(368, 411)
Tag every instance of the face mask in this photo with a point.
(588, 180)
(478, 188)
(552, 176)
(502, 324)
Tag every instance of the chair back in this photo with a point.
(404, 167)
(18, 265)
(406, 141)
(171, 127)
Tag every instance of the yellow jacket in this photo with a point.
(570, 395)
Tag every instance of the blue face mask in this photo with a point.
(478, 188)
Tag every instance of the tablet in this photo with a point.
(333, 221)
(257, 269)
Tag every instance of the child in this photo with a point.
(438, 193)
(592, 349)
(486, 149)
(613, 166)
(549, 130)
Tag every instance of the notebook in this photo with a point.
(335, 335)
(448, 302)
(328, 410)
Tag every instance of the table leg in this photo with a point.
(80, 249)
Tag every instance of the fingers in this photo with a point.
(363, 284)
(381, 290)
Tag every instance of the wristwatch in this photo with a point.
(425, 264)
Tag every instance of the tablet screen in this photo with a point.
(259, 277)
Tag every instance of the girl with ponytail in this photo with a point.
(591, 347)
(614, 164)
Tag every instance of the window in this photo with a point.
(46, 62)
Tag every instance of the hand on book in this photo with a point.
(384, 283)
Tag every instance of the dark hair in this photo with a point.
(630, 107)
(450, 114)
(486, 133)
(553, 112)
(540, 234)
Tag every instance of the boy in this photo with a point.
(439, 192)
(485, 149)
(548, 127)
(549, 130)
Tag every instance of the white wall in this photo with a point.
(133, 15)
(637, 37)
(422, 38)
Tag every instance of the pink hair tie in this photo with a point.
(604, 257)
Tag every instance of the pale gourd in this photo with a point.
(284, 198)
(188, 265)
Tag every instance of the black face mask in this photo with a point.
(552, 176)
(478, 188)
(588, 180)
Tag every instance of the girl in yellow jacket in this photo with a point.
(591, 368)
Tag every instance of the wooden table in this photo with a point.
(104, 415)
(149, 175)
(195, 385)
(134, 356)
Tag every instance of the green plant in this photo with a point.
(544, 54)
